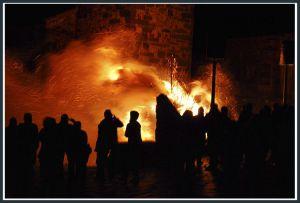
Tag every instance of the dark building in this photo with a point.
(257, 66)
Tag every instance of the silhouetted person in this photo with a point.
(49, 154)
(64, 132)
(168, 134)
(188, 148)
(27, 133)
(230, 146)
(246, 130)
(255, 154)
(106, 144)
(290, 149)
(285, 157)
(73, 143)
(200, 130)
(264, 129)
(213, 124)
(133, 133)
(277, 125)
(225, 127)
(83, 153)
(11, 156)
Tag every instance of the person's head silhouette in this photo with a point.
(49, 123)
(267, 110)
(224, 111)
(27, 118)
(108, 114)
(214, 108)
(134, 115)
(64, 118)
(13, 122)
(249, 107)
(77, 124)
(276, 106)
(187, 114)
(201, 111)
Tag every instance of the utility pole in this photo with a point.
(213, 83)
(289, 59)
(285, 84)
(171, 77)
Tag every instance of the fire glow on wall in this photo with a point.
(102, 72)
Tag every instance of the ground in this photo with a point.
(157, 183)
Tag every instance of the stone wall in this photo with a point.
(161, 30)
(60, 29)
(255, 65)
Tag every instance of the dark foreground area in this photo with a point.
(163, 183)
(193, 156)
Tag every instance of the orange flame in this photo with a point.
(181, 99)
(88, 77)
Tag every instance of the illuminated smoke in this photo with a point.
(88, 77)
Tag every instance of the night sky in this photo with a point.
(29, 14)
(24, 23)
(213, 23)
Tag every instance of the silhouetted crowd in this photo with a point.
(250, 143)
(55, 140)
